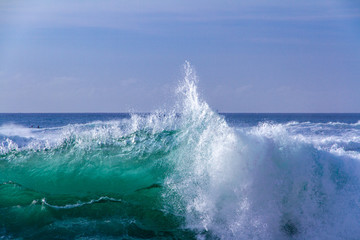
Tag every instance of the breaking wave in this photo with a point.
(183, 173)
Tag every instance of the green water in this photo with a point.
(85, 187)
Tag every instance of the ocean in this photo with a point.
(184, 173)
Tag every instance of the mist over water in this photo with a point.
(184, 173)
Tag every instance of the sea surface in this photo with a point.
(184, 173)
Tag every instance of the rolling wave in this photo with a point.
(182, 174)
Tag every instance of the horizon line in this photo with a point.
(155, 112)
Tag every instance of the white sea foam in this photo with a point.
(79, 204)
(264, 182)
(16, 130)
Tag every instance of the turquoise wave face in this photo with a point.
(180, 174)
(81, 166)
(87, 186)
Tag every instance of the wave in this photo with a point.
(183, 173)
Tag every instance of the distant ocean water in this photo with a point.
(185, 173)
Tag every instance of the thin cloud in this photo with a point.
(133, 15)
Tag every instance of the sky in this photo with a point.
(120, 56)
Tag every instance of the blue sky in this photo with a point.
(116, 56)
